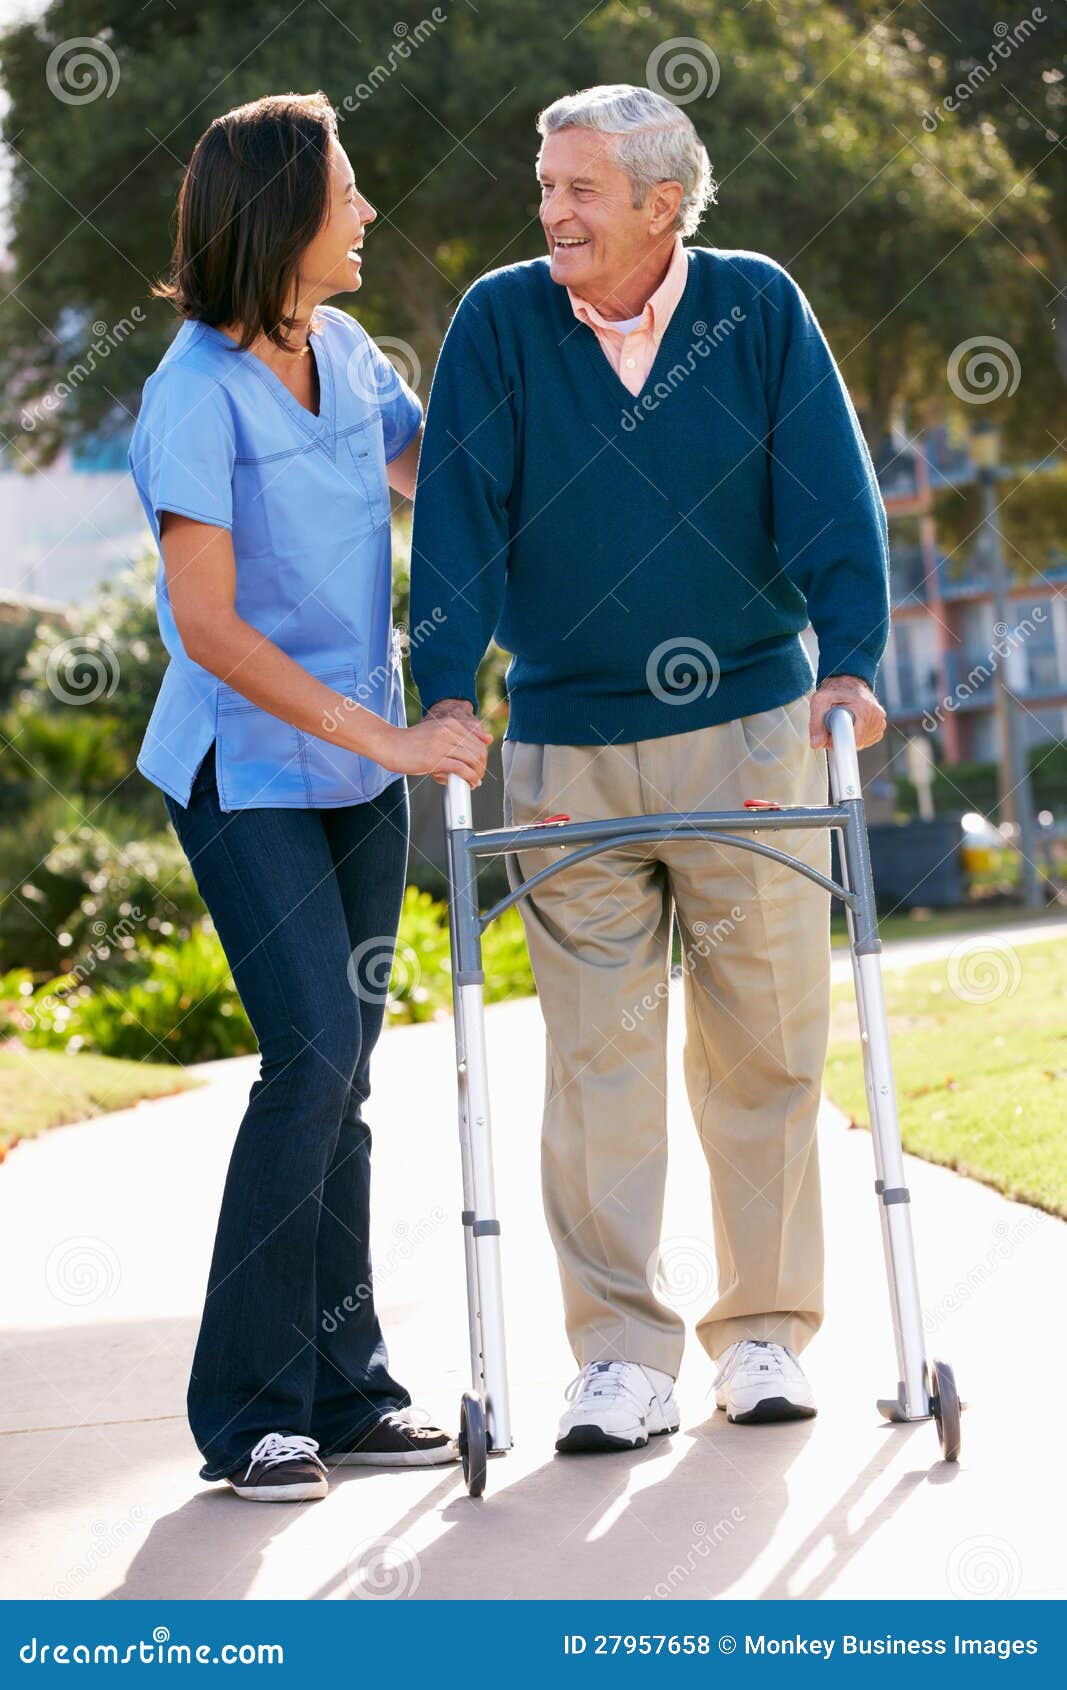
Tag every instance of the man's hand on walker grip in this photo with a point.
(867, 713)
(457, 707)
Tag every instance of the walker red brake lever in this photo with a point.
(551, 821)
(761, 804)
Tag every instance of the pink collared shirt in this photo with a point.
(632, 354)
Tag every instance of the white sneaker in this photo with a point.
(616, 1405)
(760, 1382)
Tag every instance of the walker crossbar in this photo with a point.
(700, 824)
(484, 1412)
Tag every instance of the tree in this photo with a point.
(811, 125)
(998, 74)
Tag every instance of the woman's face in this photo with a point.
(330, 263)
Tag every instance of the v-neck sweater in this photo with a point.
(630, 345)
(650, 561)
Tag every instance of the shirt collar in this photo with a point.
(658, 307)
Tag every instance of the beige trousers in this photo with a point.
(755, 940)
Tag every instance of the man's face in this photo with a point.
(596, 236)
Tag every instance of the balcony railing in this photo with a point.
(1044, 672)
(970, 677)
(907, 575)
(969, 684)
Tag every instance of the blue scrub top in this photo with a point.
(219, 437)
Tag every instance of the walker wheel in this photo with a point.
(472, 1442)
(945, 1406)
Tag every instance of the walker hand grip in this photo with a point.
(844, 764)
(458, 803)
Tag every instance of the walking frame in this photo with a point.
(485, 1425)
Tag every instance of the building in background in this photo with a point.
(69, 527)
(943, 638)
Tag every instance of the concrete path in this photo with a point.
(908, 953)
(105, 1233)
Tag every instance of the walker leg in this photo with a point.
(468, 1215)
(913, 1400)
(485, 1419)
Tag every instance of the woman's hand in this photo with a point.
(439, 746)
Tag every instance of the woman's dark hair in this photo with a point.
(255, 192)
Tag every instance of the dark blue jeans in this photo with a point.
(306, 904)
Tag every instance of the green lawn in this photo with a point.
(980, 1061)
(47, 1088)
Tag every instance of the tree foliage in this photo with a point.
(812, 118)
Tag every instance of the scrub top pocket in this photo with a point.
(366, 452)
(257, 755)
(252, 536)
(329, 770)
(262, 760)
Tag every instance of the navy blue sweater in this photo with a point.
(649, 562)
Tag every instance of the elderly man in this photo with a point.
(642, 473)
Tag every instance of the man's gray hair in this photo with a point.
(657, 142)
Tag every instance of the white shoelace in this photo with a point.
(608, 1380)
(408, 1419)
(740, 1354)
(277, 1447)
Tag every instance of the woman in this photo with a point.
(263, 453)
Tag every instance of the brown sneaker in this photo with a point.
(281, 1468)
(398, 1439)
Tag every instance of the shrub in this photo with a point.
(35, 901)
(70, 885)
(421, 986)
(179, 1004)
(127, 887)
(176, 1001)
(105, 665)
